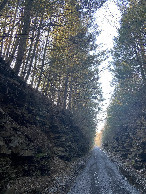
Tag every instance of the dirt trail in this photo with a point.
(101, 176)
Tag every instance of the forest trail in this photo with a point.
(101, 176)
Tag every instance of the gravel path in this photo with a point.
(101, 176)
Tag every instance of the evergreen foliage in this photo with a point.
(126, 122)
(48, 44)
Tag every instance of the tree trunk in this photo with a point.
(25, 71)
(143, 60)
(34, 70)
(2, 40)
(70, 93)
(34, 51)
(59, 92)
(24, 35)
(43, 62)
(65, 91)
(15, 45)
(140, 59)
(11, 32)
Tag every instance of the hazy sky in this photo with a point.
(107, 18)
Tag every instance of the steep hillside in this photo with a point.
(33, 132)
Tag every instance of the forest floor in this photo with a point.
(102, 176)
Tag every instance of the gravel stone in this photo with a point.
(101, 176)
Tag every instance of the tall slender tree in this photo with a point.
(24, 35)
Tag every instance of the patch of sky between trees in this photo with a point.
(108, 21)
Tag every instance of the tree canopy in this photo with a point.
(126, 120)
(48, 44)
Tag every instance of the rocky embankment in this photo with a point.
(38, 140)
(135, 177)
